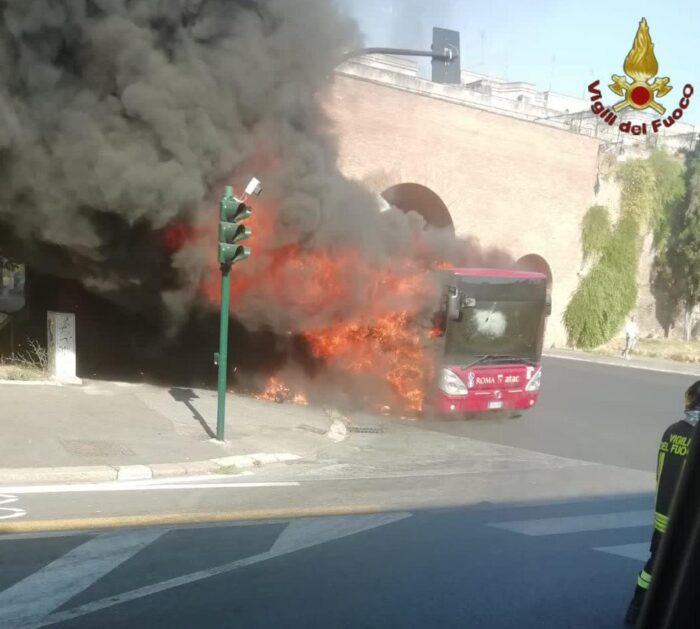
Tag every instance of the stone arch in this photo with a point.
(536, 263)
(417, 198)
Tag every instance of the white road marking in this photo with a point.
(7, 537)
(6, 499)
(631, 551)
(8, 513)
(135, 486)
(578, 523)
(300, 534)
(29, 601)
(682, 371)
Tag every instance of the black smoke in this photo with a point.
(119, 118)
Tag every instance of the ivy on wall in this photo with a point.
(608, 292)
(595, 231)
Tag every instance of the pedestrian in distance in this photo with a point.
(673, 450)
(630, 336)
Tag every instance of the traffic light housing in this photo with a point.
(231, 212)
(446, 62)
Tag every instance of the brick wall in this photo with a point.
(511, 183)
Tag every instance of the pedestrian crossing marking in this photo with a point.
(578, 523)
(34, 601)
(631, 551)
(27, 602)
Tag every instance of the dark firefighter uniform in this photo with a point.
(673, 450)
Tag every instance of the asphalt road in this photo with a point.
(590, 411)
(421, 525)
(567, 565)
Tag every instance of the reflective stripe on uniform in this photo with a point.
(660, 466)
(660, 522)
(644, 580)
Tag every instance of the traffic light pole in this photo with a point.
(231, 231)
(223, 351)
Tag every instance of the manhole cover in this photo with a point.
(365, 429)
(80, 447)
(318, 431)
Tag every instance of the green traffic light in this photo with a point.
(230, 254)
(231, 232)
(231, 212)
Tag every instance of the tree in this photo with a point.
(608, 292)
(666, 222)
(682, 270)
(687, 250)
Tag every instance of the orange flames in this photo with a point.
(387, 347)
(373, 332)
(360, 318)
(275, 390)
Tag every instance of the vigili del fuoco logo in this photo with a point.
(639, 89)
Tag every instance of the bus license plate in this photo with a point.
(495, 405)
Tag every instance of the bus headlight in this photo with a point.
(535, 381)
(451, 383)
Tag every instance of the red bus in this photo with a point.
(490, 333)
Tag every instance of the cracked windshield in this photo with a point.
(349, 313)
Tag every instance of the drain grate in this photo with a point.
(318, 431)
(80, 447)
(366, 429)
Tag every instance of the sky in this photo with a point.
(558, 45)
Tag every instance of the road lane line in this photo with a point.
(164, 519)
(681, 371)
(292, 539)
(136, 486)
(631, 551)
(578, 523)
(36, 596)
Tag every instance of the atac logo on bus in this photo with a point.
(640, 88)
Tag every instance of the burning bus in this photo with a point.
(488, 341)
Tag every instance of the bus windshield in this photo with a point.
(498, 328)
(499, 316)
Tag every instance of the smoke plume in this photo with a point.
(118, 116)
(120, 122)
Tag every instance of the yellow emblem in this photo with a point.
(640, 65)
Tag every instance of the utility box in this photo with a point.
(60, 335)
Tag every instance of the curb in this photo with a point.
(46, 383)
(106, 473)
(684, 369)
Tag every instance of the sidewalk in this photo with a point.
(112, 431)
(636, 362)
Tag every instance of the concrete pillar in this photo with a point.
(61, 347)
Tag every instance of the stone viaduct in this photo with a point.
(512, 183)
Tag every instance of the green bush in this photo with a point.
(669, 174)
(638, 196)
(606, 295)
(595, 230)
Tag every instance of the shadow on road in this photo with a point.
(186, 396)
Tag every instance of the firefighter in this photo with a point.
(675, 445)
